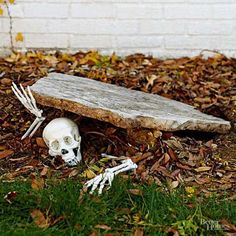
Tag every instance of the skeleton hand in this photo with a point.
(109, 175)
(27, 99)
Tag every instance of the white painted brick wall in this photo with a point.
(167, 28)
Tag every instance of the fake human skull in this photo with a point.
(62, 138)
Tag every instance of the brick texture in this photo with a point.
(166, 28)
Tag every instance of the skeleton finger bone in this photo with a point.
(125, 166)
(27, 99)
(100, 181)
(109, 174)
(94, 182)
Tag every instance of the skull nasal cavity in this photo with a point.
(64, 151)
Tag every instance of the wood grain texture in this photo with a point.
(121, 106)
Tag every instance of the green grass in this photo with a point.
(153, 211)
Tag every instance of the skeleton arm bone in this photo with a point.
(34, 126)
(27, 99)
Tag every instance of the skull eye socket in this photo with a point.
(68, 140)
(55, 145)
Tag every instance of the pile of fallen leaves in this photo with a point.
(205, 160)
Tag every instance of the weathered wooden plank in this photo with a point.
(120, 106)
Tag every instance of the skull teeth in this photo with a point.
(72, 163)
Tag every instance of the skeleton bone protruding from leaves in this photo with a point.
(27, 99)
(109, 174)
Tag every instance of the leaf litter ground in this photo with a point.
(201, 161)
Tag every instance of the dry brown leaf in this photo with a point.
(6, 153)
(164, 171)
(138, 232)
(173, 232)
(157, 133)
(139, 157)
(78, 227)
(20, 159)
(166, 158)
(124, 211)
(174, 144)
(181, 166)
(202, 180)
(73, 173)
(172, 154)
(89, 174)
(40, 142)
(155, 166)
(3, 147)
(39, 219)
(44, 171)
(175, 172)
(174, 184)
(94, 233)
(6, 81)
(228, 226)
(202, 168)
(105, 227)
(37, 183)
(110, 131)
(137, 192)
